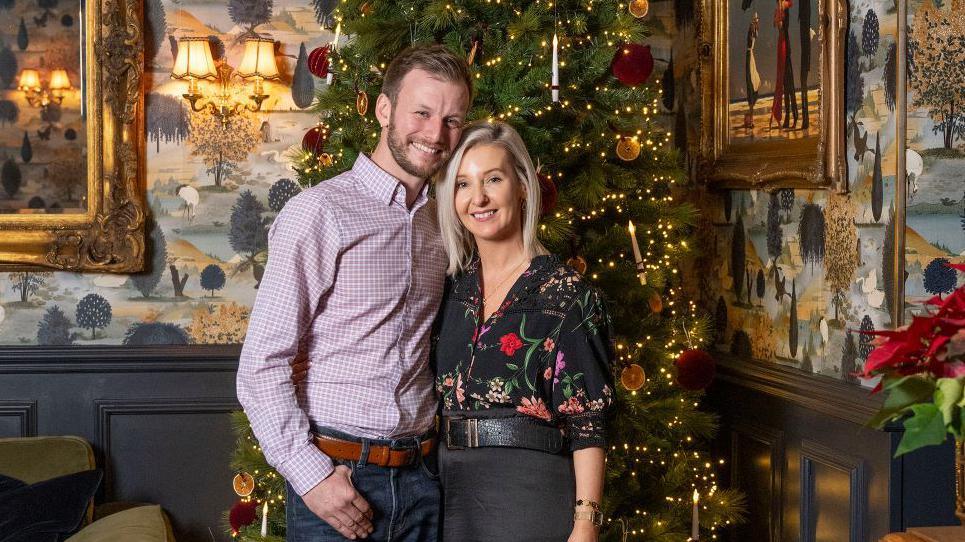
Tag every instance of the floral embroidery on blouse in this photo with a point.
(545, 352)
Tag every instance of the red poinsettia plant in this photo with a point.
(922, 368)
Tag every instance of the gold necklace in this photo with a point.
(511, 271)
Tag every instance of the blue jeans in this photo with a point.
(406, 502)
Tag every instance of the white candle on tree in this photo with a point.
(338, 32)
(695, 521)
(637, 257)
(264, 520)
(555, 83)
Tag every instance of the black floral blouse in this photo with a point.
(545, 352)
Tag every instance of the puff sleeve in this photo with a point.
(582, 371)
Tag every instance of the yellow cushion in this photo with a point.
(141, 524)
(34, 459)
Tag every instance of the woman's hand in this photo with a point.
(299, 366)
(584, 531)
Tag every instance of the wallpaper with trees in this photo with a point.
(803, 270)
(213, 192)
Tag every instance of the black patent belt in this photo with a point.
(515, 432)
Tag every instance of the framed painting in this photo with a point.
(772, 86)
(72, 136)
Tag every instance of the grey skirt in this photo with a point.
(505, 494)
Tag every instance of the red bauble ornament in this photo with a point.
(632, 64)
(695, 370)
(315, 139)
(318, 61)
(548, 194)
(242, 514)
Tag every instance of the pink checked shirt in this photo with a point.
(355, 278)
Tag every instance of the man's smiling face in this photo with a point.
(426, 122)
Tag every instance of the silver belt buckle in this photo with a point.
(472, 433)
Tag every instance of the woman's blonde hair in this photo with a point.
(457, 240)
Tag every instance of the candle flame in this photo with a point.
(696, 496)
(632, 228)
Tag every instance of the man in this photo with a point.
(354, 279)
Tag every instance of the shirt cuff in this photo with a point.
(306, 468)
(587, 430)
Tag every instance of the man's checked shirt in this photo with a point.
(354, 279)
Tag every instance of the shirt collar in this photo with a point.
(384, 186)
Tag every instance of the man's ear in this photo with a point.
(383, 110)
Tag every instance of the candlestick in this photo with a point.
(694, 522)
(555, 84)
(264, 520)
(637, 257)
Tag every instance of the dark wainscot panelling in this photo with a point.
(811, 470)
(757, 467)
(18, 418)
(157, 417)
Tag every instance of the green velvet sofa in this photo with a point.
(34, 459)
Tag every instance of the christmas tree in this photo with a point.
(574, 79)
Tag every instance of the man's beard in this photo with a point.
(398, 148)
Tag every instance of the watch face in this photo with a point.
(243, 484)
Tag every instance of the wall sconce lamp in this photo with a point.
(40, 95)
(195, 62)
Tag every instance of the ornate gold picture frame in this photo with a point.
(772, 76)
(103, 229)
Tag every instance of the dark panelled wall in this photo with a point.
(158, 419)
(811, 471)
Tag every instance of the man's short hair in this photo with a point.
(435, 59)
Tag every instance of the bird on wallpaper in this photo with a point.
(823, 326)
(190, 198)
(860, 141)
(44, 134)
(779, 285)
(914, 165)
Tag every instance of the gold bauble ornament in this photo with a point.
(639, 8)
(243, 484)
(628, 148)
(325, 159)
(361, 103)
(633, 377)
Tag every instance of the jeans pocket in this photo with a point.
(430, 466)
(352, 467)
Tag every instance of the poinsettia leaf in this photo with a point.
(948, 392)
(924, 428)
(937, 345)
(886, 355)
(902, 394)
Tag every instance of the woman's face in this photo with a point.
(489, 195)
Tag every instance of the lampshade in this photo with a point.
(59, 80)
(194, 60)
(259, 59)
(29, 79)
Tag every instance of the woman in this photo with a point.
(522, 359)
(752, 79)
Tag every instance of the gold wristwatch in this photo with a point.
(588, 510)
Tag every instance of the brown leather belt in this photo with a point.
(381, 455)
